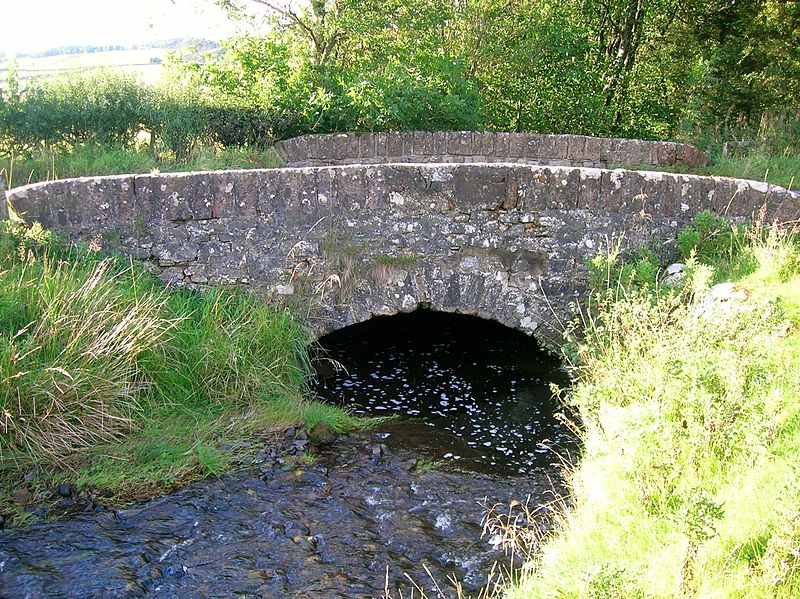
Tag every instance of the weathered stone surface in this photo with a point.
(3, 201)
(501, 241)
(467, 146)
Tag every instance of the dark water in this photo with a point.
(358, 516)
(486, 384)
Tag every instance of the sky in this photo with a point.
(36, 25)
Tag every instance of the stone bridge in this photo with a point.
(499, 239)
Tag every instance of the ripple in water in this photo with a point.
(484, 383)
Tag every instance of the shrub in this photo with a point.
(71, 375)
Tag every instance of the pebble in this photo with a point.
(176, 571)
(294, 529)
(21, 495)
(64, 490)
(30, 475)
(322, 434)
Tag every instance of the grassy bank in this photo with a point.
(783, 170)
(117, 385)
(689, 485)
(94, 160)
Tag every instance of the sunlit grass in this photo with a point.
(95, 160)
(689, 484)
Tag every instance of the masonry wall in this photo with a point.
(506, 242)
(467, 146)
(3, 202)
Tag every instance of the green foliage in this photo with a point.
(402, 260)
(688, 482)
(609, 582)
(711, 239)
(777, 167)
(132, 386)
(708, 236)
(553, 89)
(103, 109)
(710, 71)
(636, 271)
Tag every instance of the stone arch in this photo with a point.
(485, 291)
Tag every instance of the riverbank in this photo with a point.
(689, 484)
(114, 387)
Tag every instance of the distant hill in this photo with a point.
(199, 45)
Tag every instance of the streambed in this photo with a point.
(364, 514)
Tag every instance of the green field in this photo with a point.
(145, 64)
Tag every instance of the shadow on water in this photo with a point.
(471, 392)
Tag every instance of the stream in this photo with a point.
(369, 512)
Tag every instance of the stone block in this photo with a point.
(516, 144)
(590, 195)
(480, 188)
(286, 149)
(501, 141)
(173, 253)
(313, 149)
(423, 144)
(535, 147)
(394, 144)
(325, 147)
(560, 146)
(407, 138)
(381, 144)
(614, 191)
(440, 143)
(350, 189)
(267, 191)
(641, 153)
(345, 148)
(459, 143)
(591, 150)
(366, 146)
(576, 147)
(483, 143)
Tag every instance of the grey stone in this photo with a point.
(502, 241)
(3, 201)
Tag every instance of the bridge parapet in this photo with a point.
(468, 146)
(501, 241)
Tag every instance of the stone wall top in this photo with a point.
(468, 146)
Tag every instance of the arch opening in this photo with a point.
(468, 392)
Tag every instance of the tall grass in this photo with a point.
(689, 485)
(71, 373)
(132, 386)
